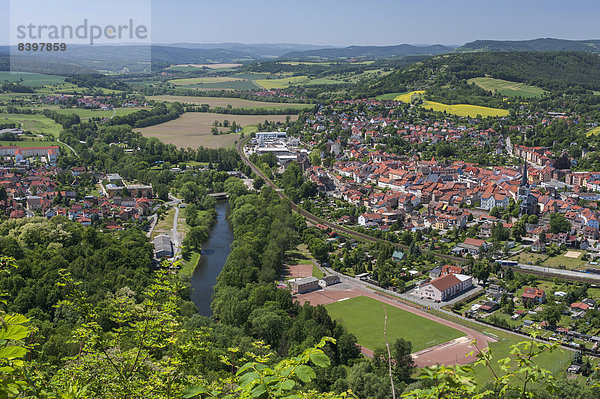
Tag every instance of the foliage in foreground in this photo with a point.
(149, 353)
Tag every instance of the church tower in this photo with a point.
(528, 201)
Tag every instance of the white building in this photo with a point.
(446, 286)
(262, 137)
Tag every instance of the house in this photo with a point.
(590, 302)
(489, 306)
(163, 248)
(533, 295)
(305, 284)
(579, 306)
(397, 256)
(471, 245)
(369, 218)
(34, 202)
(326, 281)
(445, 287)
(435, 272)
(495, 291)
(574, 369)
(538, 246)
(451, 269)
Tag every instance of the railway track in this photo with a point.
(365, 237)
(317, 220)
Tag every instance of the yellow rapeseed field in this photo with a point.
(455, 109)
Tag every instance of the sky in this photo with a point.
(342, 22)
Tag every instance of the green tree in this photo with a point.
(196, 236)
(519, 229)
(551, 315)
(190, 191)
(558, 224)
(258, 183)
(404, 363)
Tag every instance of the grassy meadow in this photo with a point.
(507, 88)
(31, 79)
(33, 123)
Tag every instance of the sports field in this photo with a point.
(192, 129)
(364, 317)
(507, 88)
(225, 101)
(465, 110)
(556, 361)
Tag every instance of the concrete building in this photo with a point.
(34, 202)
(445, 287)
(51, 153)
(302, 285)
(163, 248)
(329, 280)
(262, 137)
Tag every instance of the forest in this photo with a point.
(549, 70)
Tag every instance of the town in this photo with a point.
(234, 220)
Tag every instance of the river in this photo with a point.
(214, 255)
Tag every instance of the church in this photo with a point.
(528, 201)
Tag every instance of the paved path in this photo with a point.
(175, 236)
(69, 147)
(152, 225)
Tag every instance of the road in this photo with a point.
(175, 236)
(407, 296)
(69, 147)
(529, 269)
(152, 225)
(426, 305)
(317, 220)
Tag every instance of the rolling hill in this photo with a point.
(548, 70)
(546, 44)
(401, 50)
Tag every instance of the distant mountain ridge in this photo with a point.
(400, 50)
(260, 50)
(542, 44)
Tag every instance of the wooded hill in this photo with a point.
(545, 44)
(551, 70)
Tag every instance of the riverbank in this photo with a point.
(189, 266)
(211, 260)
